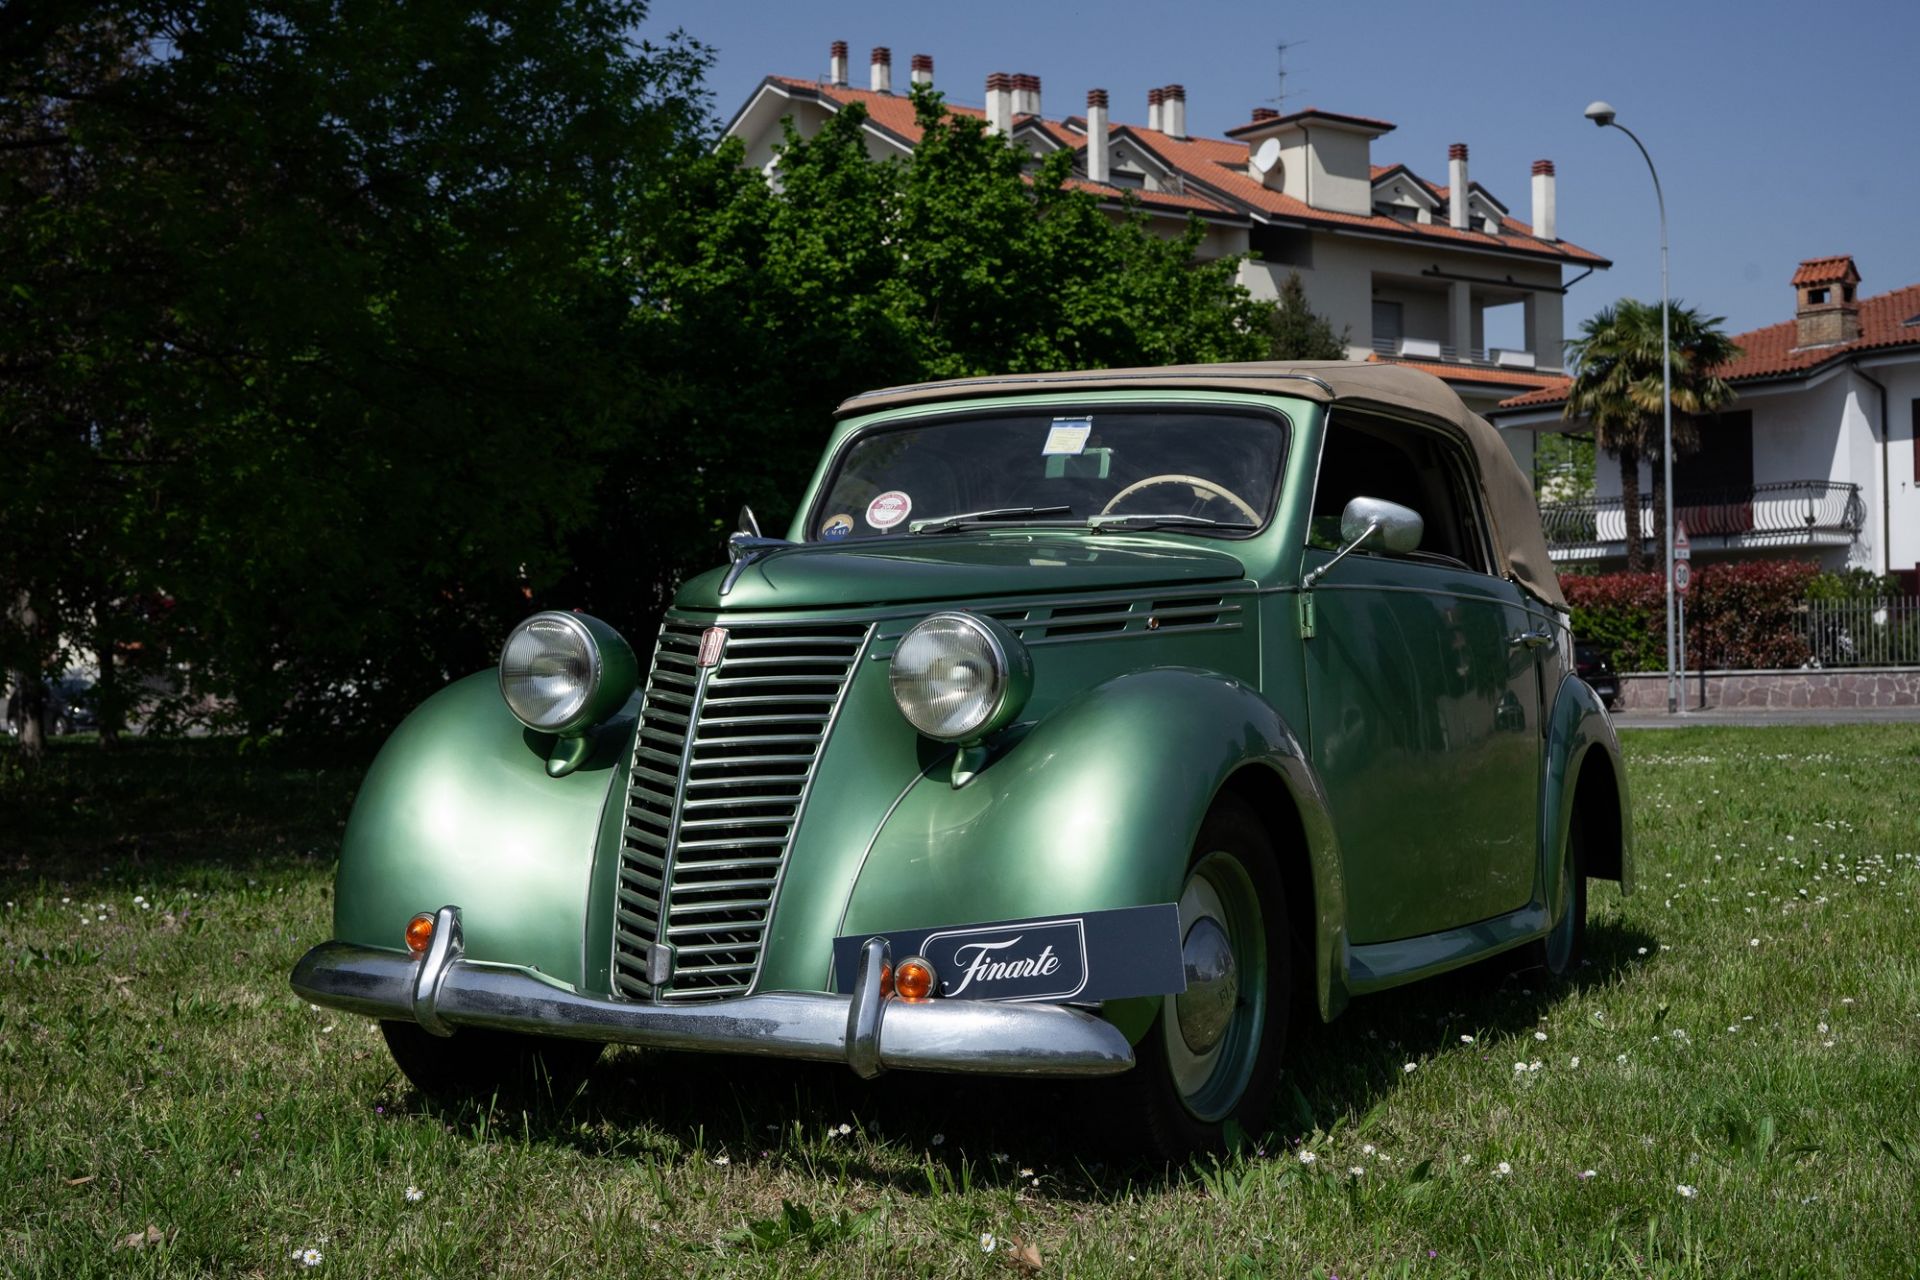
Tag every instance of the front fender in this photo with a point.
(458, 809)
(1577, 728)
(1097, 807)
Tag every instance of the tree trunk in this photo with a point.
(108, 712)
(1659, 470)
(1630, 507)
(29, 690)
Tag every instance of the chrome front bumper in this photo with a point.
(867, 1030)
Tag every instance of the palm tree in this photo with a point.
(1616, 387)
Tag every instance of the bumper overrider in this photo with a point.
(867, 1029)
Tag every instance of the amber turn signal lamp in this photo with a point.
(913, 980)
(420, 933)
(886, 979)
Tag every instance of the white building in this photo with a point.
(1814, 460)
(1408, 267)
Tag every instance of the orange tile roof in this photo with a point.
(1218, 167)
(1825, 270)
(1886, 320)
(1475, 373)
(1222, 166)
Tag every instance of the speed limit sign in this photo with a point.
(1682, 575)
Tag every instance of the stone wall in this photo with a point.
(1833, 687)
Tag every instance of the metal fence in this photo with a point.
(1780, 512)
(1864, 633)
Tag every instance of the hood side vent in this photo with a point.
(1079, 621)
(1086, 620)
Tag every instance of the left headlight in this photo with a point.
(958, 677)
(565, 672)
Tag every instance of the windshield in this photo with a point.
(1209, 471)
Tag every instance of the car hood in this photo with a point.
(955, 567)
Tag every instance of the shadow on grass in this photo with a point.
(681, 1107)
(184, 812)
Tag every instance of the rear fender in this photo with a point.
(1582, 751)
(1097, 807)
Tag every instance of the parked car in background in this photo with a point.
(69, 701)
(1595, 665)
(1083, 724)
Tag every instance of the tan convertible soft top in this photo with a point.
(1518, 541)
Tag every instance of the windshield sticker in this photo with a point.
(889, 509)
(837, 526)
(1067, 437)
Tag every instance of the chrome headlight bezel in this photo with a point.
(1005, 657)
(611, 672)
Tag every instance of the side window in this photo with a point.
(1423, 468)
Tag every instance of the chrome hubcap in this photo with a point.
(1211, 1032)
(1206, 1007)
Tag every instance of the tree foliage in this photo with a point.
(1617, 387)
(336, 336)
(770, 300)
(1300, 333)
(314, 333)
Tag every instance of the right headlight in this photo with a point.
(958, 677)
(563, 673)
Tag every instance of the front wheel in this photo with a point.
(1211, 1059)
(477, 1064)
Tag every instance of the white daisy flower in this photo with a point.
(1502, 1169)
(415, 1195)
(1307, 1157)
(1686, 1191)
(987, 1242)
(1411, 1066)
(310, 1257)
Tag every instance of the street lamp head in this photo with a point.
(1600, 113)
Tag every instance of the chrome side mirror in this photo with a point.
(1396, 528)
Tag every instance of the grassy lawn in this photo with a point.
(1730, 1087)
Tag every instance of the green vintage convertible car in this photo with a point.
(1083, 724)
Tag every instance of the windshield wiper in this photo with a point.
(1148, 519)
(966, 518)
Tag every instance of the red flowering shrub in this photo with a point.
(1739, 616)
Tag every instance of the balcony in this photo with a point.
(1446, 353)
(1782, 513)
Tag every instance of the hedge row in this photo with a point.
(1739, 616)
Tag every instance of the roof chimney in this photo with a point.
(999, 103)
(1026, 94)
(1263, 114)
(1173, 111)
(880, 79)
(923, 68)
(1543, 200)
(1097, 135)
(1457, 186)
(837, 63)
(1155, 97)
(1827, 303)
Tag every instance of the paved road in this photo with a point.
(1747, 718)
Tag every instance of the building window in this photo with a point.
(1288, 246)
(1816, 295)
(1721, 469)
(1388, 325)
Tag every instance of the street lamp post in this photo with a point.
(1603, 115)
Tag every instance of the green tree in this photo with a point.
(767, 301)
(1617, 388)
(315, 329)
(1298, 332)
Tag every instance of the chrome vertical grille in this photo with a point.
(721, 768)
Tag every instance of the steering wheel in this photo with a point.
(1204, 491)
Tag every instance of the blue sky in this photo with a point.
(1782, 131)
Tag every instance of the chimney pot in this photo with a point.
(999, 103)
(1543, 201)
(1173, 111)
(880, 79)
(837, 63)
(923, 68)
(1457, 186)
(1263, 114)
(1156, 99)
(1097, 166)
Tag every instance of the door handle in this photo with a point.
(1535, 639)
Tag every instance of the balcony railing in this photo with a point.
(1433, 349)
(1779, 513)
